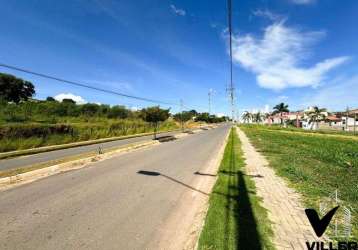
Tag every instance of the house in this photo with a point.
(306, 120)
(286, 117)
(349, 119)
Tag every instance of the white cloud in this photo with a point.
(213, 25)
(267, 14)
(282, 97)
(113, 84)
(78, 99)
(276, 58)
(177, 11)
(302, 1)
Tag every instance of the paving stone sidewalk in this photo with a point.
(290, 224)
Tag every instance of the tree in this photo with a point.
(183, 117)
(193, 112)
(247, 116)
(50, 99)
(257, 117)
(316, 115)
(89, 109)
(119, 112)
(13, 89)
(68, 100)
(279, 109)
(154, 115)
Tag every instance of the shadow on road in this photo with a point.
(205, 174)
(152, 173)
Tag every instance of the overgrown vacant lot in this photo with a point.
(315, 165)
(15, 136)
(235, 219)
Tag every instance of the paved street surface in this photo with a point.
(58, 154)
(107, 205)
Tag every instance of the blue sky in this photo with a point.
(302, 52)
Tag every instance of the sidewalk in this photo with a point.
(290, 224)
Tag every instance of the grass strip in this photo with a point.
(235, 219)
(314, 165)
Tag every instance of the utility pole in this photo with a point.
(209, 95)
(181, 115)
(231, 85)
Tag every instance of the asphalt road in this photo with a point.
(107, 205)
(29, 160)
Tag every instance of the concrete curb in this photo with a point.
(20, 179)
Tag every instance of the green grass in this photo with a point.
(315, 165)
(317, 132)
(235, 219)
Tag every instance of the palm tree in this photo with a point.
(279, 109)
(247, 116)
(316, 115)
(257, 117)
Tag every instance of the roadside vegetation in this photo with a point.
(314, 164)
(235, 219)
(29, 123)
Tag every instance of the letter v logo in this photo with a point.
(319, 225)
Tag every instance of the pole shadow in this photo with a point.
(152, 173)
(238, 206)
(205, 174)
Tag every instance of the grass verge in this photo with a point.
(327, 132)
(235, 219)
(314, 165)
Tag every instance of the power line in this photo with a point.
(85, 85)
